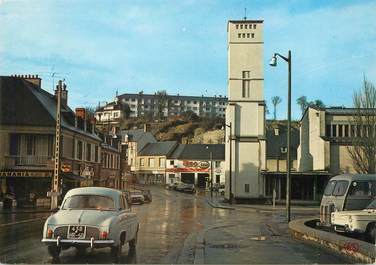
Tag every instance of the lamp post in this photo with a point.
(211, 171)
(230, 175)
(273, 62)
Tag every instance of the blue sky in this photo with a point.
(180, 46)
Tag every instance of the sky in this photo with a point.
(100, 47)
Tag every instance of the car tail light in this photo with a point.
(49, 233)
(103, 235)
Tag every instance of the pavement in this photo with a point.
(176, 228)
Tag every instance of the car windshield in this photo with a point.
(136, 193)
(96, 202)
(372, 205)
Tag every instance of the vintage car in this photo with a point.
(356, 221)
(91, 217)
(136, 196)
(147, 195)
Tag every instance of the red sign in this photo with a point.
(197, 164)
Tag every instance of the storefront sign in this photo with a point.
(196, 164)
(66, 168)
(25, 174)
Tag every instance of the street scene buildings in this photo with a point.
(138, 154)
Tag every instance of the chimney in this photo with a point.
(81, 113)
(34, 79)
(64, 93)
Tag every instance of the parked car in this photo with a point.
(137, 197)
(171, 186)
(347, 192)
(221, 189)
(189, 188)
(358, 221)
(147, 195)
(91, 217)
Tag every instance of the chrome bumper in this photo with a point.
(58, 241)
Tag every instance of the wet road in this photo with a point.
(169, 228)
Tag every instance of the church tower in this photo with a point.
(246, 110)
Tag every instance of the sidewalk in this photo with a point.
(217, 202)
(16, 210)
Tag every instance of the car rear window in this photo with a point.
(97, 202)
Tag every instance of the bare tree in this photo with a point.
(362, 150)
(275, 101)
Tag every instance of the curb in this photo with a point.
(219, 206)
(200, 249)
(349, 248)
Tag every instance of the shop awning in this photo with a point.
(72, 177)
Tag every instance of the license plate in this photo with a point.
(76, 232)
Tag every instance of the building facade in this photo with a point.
(110, 171)
(196, 164)
(27, 140)
(246, 110)
(169, 105)
(150, 164)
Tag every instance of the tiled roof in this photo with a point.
(23, 103)
(199, 152)
(140, 136)
(158, 149)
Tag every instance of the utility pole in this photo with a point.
(288, 177)
(211, 174)
(55, 192)
(230, 163)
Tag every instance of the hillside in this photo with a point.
(186, 128)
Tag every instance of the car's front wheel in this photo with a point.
(371, 233)
(54, 251)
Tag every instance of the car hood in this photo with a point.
(84, 217)
(355, 212)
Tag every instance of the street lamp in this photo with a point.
(230, 175)
(211, 171)
(273, 62)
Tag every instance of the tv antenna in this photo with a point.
(245, 13)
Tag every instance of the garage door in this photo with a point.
(188, 178)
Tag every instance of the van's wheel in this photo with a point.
(133, 242)
(54, 251)
(371, 233)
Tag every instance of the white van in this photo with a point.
(347, 192)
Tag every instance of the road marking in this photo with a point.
(21, 222)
